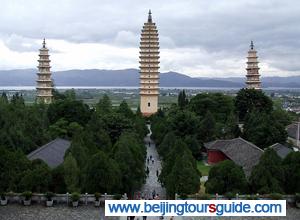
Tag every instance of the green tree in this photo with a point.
(268, 175)
(71, 173)
(263, 129)
(218, 104)
(115, 124)
(74, 128)
(166, 145)
(193, 145)
(159, 127)
(3, 98)
(104, 105)
(182, 99)
(70, 94)
(184, 178)
(207, 131)
(58, 184)
(231, 129)
(178, 149)
(59, 129)
(125, 110)
(291, 165)
(102, 174)
(183, 123)
(36, 179)
(225, 177)
(13, 164)
(248, 100)
(69, 109)
(130, 155)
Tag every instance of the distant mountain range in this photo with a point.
(130, 77)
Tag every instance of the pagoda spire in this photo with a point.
(252, 45)
(44, 43)
(149, 68)
(253, 76)
(149, 16)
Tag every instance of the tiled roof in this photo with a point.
(281, 150)
(52, 153)
(292, 130)
(240, 151)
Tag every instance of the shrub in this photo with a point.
(205, 197)
(97, 196)
(229, 195)
(49, 195)
(183, 196)
(117, 196)
(2, 196)
(297, 197)
(252, 197)
(275, 196)
(27, 195)
(75, 196)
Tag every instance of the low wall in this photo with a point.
(58, 198)
(288, 198)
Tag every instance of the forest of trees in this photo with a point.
(107, 152)
(181, 130)
(106, 155)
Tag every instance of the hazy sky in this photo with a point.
(198, 38)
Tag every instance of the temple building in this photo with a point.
(44, 81)
(253, 77)
(149, 68)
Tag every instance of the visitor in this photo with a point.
(147, 160)
(152, 161)
(157, 173)
(153, 194)
(144, 217)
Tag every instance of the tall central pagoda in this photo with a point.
(149, 68)
(44, 81)
(253, 81)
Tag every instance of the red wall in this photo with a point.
(215, 156)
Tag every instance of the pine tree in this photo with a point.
(71, 173)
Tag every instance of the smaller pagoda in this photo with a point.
(44, 81)
(253, 76)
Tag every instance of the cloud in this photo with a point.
(199, 38)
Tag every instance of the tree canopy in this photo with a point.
(268, 175)
(225, 177)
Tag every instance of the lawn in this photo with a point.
(202, 168)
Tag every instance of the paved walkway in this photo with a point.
(152, 183)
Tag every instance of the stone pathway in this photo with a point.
(152, 180)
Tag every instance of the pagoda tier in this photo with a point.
(253, 76)
(44, 82)
(149, 68)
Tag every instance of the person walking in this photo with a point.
(153, 194)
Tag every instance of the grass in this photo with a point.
(204, 172)
(202, 168)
